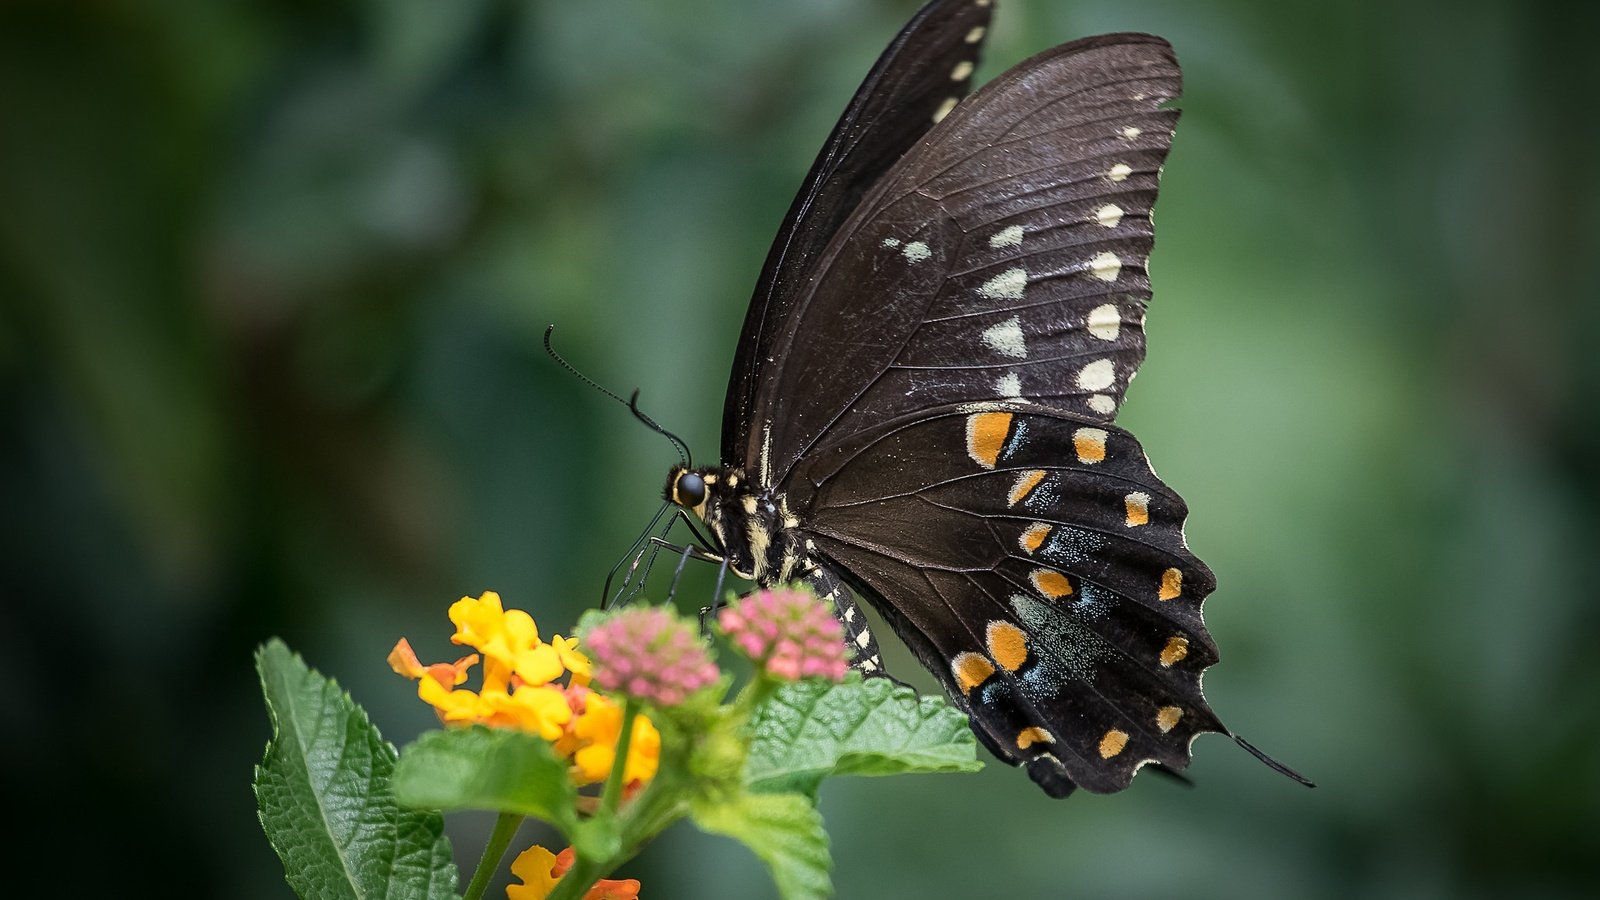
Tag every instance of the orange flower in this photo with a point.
(540, 870)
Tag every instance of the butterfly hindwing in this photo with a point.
(1051, 591)
(917, 80)
(1003, 258)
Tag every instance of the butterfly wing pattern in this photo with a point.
(921, 406)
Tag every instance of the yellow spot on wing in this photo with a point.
(1138, 504)
(944, 109)
(1105, 266)
(1120, 171)
(1105, 322)
(986, 436)
(1008, 644)
(1010, 236)
(1052, 584)
(976, 34)
(1033, 538)
(1026, 482)
(961, 71)
(1176, 649)
(1167, 717)
(1089, 444)
(971, 670)
(1112, 743)
(1027, 737)
(1171, 584)
(1109, 215)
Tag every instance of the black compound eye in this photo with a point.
(690, 490)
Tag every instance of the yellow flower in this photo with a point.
(533, 866)
(521, 689)
(595, 734)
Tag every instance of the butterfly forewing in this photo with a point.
(917, 81)
(1003, 258)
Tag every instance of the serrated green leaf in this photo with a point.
(324, 799)
(784, 831)
(496, 769)
(808, 730)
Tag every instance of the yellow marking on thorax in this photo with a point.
(1176, 649)
(1052, 584)
(1008, 644)
(986, 436)
(1171, 585)
(1025, 484)
(1112, 743)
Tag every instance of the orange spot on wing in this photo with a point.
(1176, 649)
(986, 436)
(971, 670)
(1008, 644)
(1053, 585)
(1112, 743)
(1089, 444)
(1027, 737)
(1167, 717)
(1171, 584)
(1138, 509)
(1033, 538)
(1026, 482)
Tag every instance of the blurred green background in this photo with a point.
(272, 281)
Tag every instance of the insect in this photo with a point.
(922, 401)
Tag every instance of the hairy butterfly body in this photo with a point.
(922, 401)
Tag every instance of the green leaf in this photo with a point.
(323, 794)
(496, 769)
(784, 830)
(808, 730)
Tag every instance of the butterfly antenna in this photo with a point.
(634, 552)
(1271, 763)
(683, 449)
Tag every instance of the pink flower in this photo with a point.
(788, 632)
(649, 653)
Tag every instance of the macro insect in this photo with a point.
(922, 403)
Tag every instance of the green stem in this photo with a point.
(505, 828)
(613, 790)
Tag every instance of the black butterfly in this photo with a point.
(921, 404)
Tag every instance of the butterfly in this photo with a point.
(922, 403)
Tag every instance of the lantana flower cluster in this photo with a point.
(788, 632)
(523, 688)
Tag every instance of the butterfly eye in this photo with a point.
(690, 490)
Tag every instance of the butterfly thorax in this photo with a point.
(752, 528)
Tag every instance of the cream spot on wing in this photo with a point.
(1008, 285)
(1097, 376)
(1138, 509)
(1104, 322)
(1109, 215)
(916, 251)
(1102, 404)
(1131, 132)
(1119, 172)
(944, 109)
(1009, 385)
(1010, 236)
(1006, 338)
(976, 34)
(962, 71)
(1105, 266)
(891, 242)
(1090, 445)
